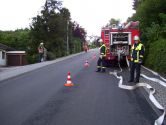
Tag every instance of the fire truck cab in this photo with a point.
(118, 40)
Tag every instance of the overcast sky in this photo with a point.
(90, 14)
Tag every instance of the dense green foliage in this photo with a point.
(17, 39)
(53, 27)
(152, 17)
(113, 21)
(156, 58)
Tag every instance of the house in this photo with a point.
(10, 57)
(3, 56)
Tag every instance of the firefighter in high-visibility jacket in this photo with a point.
(101, 64)
(137, 53)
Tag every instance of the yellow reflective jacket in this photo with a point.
(137, 52)
(103, 50)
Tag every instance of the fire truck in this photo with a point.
(118, 40)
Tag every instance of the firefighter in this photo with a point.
(41, 52)
(85, 46)
(137, 52)
(101, 64)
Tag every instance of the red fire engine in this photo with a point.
(118, 40)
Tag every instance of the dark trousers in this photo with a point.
(135, 67)
(40, 56)
(101, 64)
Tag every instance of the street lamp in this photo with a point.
(67, 39)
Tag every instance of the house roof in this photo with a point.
(6, 48)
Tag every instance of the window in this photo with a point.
(120, 37)
(3, 55)
(106, 32)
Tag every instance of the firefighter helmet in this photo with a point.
(136, 38)
(41, 43)
(100, 40)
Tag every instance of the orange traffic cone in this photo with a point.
(69, 82)
(86, 64)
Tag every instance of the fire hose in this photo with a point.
(160, 119)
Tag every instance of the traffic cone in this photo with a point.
(86, 64)
(69, 82)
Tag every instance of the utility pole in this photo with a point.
(67, 39)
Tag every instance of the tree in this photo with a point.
(136, 4)
(50, 27)
(152, 17)
(78, 34)
(78, 31)
(113, 21)
(54, 27)
(17, 39)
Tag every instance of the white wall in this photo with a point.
(2, 61)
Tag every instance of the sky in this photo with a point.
(89, 14)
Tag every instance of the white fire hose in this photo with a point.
(158, 121)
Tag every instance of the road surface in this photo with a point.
(40, 97)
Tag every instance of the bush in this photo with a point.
(156, 58)
(51, 56)
(32, 58)
(76, 46)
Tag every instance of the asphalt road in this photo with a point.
(40, 97)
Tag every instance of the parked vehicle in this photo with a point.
(118, 40)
